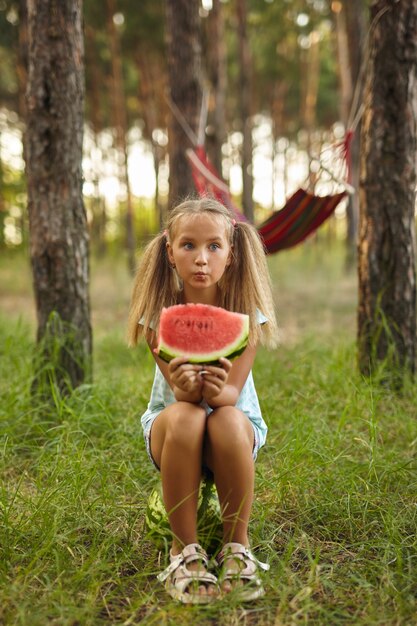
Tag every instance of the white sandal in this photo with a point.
(252, 588)
(178, 577)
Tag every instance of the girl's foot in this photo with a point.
(239, 572)
(187, 577)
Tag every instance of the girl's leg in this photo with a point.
(228, 453)
(177, 439)
(176, 444)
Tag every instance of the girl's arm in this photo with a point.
(222, 385)
(183, 378)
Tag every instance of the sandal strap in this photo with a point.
(190, 553)
(240, 552)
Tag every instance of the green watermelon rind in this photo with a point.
(209, 518)
(203, 360)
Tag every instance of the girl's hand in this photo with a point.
(215, 378)
(185, 376)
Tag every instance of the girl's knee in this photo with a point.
(186, 422)
(187, 411)
(227, 426)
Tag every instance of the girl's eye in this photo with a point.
(188, 245)
(214, 246)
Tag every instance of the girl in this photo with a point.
(205, 419)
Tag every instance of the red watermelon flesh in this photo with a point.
(202, 333)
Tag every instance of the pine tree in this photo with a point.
(59, 245)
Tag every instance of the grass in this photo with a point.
(335, 509)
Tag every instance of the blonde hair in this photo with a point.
(245, 286)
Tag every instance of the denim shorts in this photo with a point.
(147, 428)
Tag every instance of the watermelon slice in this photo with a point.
(202, 333)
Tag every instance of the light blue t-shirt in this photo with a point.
(162, 396)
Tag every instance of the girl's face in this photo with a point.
(200, 251)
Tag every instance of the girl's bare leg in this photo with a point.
(177, 446)
(228, 453)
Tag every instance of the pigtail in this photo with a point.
(154, 287)
(247, 287)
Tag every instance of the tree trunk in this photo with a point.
(387, 277)
(277, 130)
(157, 158)
(311, 75)
(22, 57)
(95, 81)
(2, 200)
(152, 86)
(345, 75)
(121, 127)
(245, 89)
(355, 22)
(217, 62)
(184, 59)
(58, 229)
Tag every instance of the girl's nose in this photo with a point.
(201, 258)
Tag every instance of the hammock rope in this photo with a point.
(302, 214)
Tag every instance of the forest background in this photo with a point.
(301, 85)
(335, 512)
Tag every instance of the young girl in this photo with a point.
(207, 419)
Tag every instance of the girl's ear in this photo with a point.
(230, 257)
(169, 252)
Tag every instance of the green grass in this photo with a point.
(335, 509)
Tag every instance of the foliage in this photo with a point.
(281, 35)
(141, 29)
(278, 41)
(272, 26)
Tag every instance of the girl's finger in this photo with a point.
(187, 375)
(226, 364)
(216, 372)
(179, 368)
(176, 362)
(214, 380)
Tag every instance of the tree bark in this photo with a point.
(217, 64)
(2, 201)
(22, 57)
(355, 22)
(345, 74)
(310, 90)
(387, 276)
(95, 80)
(59, 244)
(152, 86)
(121, 128)
(245, 88)
(184, 61)
(277, 108)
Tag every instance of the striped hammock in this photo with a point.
(302, 214)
